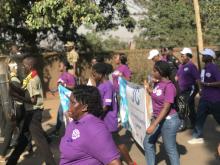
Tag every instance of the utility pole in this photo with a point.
(198, 25)
(199, 31)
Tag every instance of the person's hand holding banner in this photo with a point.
(64, 97)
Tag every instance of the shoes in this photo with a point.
(182, 126)
(196, 141)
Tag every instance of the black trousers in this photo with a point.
(32, 125)
(188, 111)
(9, 129)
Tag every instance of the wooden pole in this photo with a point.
(199, 31)
(198, 25)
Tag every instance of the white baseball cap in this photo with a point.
(186, 51)
(153, 53)
(208, 52)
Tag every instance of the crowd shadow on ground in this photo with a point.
(162, 155)
(35, 158)
(212, 138)
(127, 139)
(211, 135)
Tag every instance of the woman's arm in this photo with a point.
(115, 162)
(212, 84)
(32, 100)
(70, 87)
(126, 78)
(147, 87)
(160, 117)
(16, 89)
(107, 108)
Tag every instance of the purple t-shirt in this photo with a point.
(187, 75)
(163, 92)
(109, 99)
(125, 72)
(67, 78)
(212, 74)
(87, 142)
(164, 58)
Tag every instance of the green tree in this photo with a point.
(168, 23)
(172, 23)
(96, 43)
(210, 17)
(20, 20)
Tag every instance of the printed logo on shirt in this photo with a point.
(208, 74)
(186, 69)
(116, 73)
(75, 134)
(108, 100)
(157, 91)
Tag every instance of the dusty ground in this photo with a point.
(203, 154)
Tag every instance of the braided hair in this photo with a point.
(89, 95)
(163, 68)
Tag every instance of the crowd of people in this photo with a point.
(173, 94)
(94, 107)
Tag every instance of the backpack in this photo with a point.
(179, 104)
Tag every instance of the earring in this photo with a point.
(85, 109)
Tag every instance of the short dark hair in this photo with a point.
(163, 68)
(99, 58)
(109, 68)
(90, 96)
(170, 48)
(123, 58)
(100, 68)
(32, 60)
(189, 55)
(103, 68)
(163, 49)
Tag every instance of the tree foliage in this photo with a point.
(172, 23)
(21, 20)
(210, 16)
(168, 23)
(98, 43)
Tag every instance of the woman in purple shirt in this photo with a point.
(165, 120)
(68, 81)
(87, 140)
(100, 73)
(121, 70)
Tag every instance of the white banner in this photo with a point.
(139, 109)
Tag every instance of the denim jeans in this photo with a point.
(168, 129)
(204, 109)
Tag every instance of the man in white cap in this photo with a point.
(188, 79)
(154, 55)
(209, 102)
